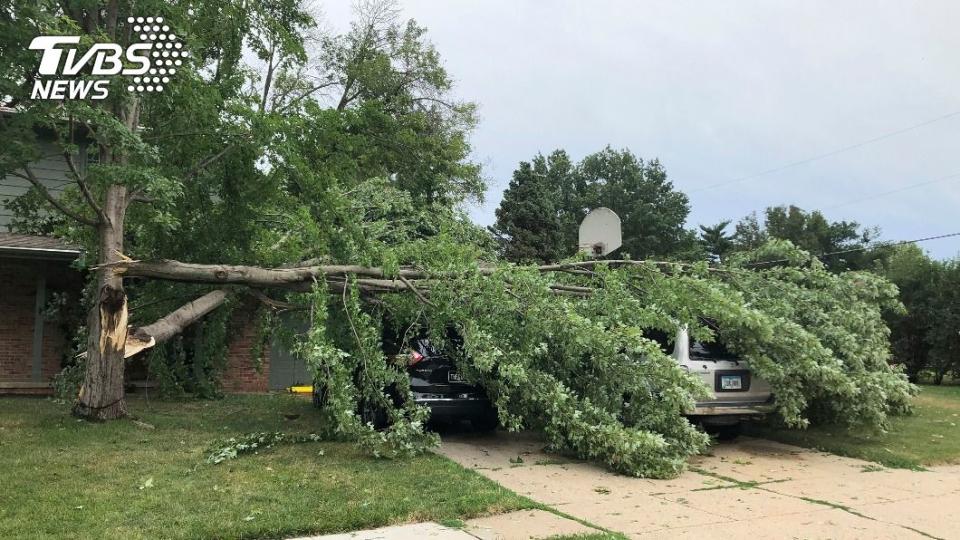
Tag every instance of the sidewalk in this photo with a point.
(750, 488)
(520, 525)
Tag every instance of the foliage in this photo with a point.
(579, 367)
(243, 158)
(928, 436)
(547, 199)
(945, 337)
(716, 241)
(651, 210)
(925, 336)
(358, 155)
(839, 340)
(252, 443)
(66, 383)
(530, 224)
(388, 109)
(812, 232)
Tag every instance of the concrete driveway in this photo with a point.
(746, 489)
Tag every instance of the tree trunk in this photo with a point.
(174, 323)
(102, 394)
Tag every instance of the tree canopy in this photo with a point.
(924, 336)
(547, 199)
(266, 160)
(845, 241)
(716, 241)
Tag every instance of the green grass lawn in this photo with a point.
(65, 478)
(930, 436)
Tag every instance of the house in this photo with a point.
(35, 270)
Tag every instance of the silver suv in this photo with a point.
(736, 393)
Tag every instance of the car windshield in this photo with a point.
(424, 347)
(711, 351)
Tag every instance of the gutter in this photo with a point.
(39, 253)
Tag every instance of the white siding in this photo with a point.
(51, 170)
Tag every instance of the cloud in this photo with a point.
(721, 90)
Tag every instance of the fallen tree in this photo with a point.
(373, 182)
(563, 347)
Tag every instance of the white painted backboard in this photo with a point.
(600, 232)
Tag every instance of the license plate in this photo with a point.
(731, 382)
(453, 376)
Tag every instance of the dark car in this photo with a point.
(436, 384)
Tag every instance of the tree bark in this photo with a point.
(172, 324)
(102, 394)
(302, 278)
(246, 275)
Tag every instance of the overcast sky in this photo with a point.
(720, 91)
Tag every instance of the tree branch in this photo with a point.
(434, 100)
(370, 279)
(30, 177)
(415, 291)
(277, 305)
(306, 94)
(204, 163)
(269, 80)
(139, 196)
(84, 188)
(175, 322)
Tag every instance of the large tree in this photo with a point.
(233, 161)
(924, 336)
(124, 169)
(844, 244)
(531, 225)
(651, 210)
(545, 203)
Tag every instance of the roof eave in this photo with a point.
(39, 253)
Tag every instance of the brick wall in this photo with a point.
(17, 297)
(241, 374)
(18, 291)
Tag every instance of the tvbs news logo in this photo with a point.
(150, 62)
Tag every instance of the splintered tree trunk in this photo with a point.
(102, 394)
(173, 323)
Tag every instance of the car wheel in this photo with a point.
(487, 422)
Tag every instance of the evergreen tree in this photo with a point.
(715, 240)
(529, 218)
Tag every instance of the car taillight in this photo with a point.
(414, 358)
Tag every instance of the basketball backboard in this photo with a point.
(600, 232)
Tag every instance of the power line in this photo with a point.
(864, 248)
(826, 154)
(898, 190)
